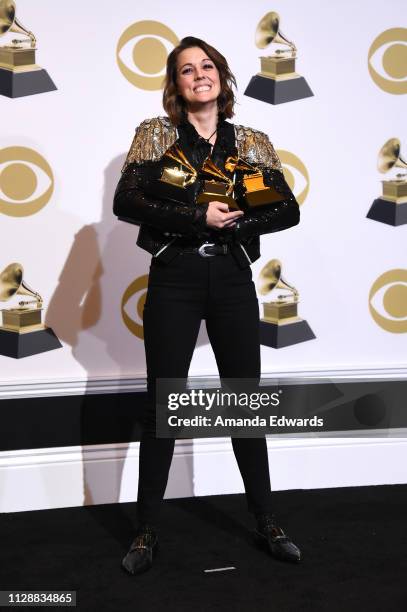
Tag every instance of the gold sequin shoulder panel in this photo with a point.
(255, 147)
(152, 138)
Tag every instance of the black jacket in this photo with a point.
(165, 224)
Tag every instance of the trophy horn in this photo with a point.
(12, 283)
(268, 31)
(389, 156)
(270, 277)
(9, 22)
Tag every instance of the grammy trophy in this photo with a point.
(280, 326)
(219, 188)
(250, 187)
(22, 333)
(19, 74)
(277, 82)
(391, 207)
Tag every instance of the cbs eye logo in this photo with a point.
(393, 61)
(296, 174)
(151, 42)
(388, 301)
(26, 181)
(135, 304)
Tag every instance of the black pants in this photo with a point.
(180, 294)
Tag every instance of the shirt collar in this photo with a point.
(193, 136)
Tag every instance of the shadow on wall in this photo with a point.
(85, 312)
(85, 309)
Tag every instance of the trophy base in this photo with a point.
(18, 345)
(278, 336)
(274, 91)
(206, 197)
(388, 212)
(18, 84)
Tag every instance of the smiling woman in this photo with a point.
(200, 267)
(197, 75)
(197, 78)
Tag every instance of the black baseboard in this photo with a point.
(75, 420)
(46, 422)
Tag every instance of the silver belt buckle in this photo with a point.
(202, 247)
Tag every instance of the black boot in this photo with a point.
(275, 540)
(142, 550)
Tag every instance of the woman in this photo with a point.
(200, 269)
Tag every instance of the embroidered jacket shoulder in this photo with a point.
(255, 147)
(154, 136)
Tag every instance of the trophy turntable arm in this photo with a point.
(131, 204)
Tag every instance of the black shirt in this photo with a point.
(197, 149)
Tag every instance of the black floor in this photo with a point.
(353, 540)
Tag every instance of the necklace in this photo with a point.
(208, 139)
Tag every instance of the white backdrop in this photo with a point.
(80, 258)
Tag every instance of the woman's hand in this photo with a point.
(218, 217)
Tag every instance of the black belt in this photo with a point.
(207, 249)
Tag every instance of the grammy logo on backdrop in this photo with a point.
(391, 207)
(22, 332)
(280, 326)
(19, 74)
(277, 82)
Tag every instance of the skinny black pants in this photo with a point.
(180, 294)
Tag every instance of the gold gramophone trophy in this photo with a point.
(19, 74)
(22, 332)
(280, 325)
(254, 191)
(218, 189)
(391, 207)
(177, 179)
(277, 82)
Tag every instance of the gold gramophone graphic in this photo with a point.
(255, 192)
(176, 182)
(19, 74)
(277, 82)
(22, 332)
(219, 188)
(391, 207)
(280, 325)
(177, 177)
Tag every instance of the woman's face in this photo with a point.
(197, 77)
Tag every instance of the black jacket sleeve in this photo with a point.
(273, 217)
(134, 205)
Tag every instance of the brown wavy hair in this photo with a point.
(174, 104)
